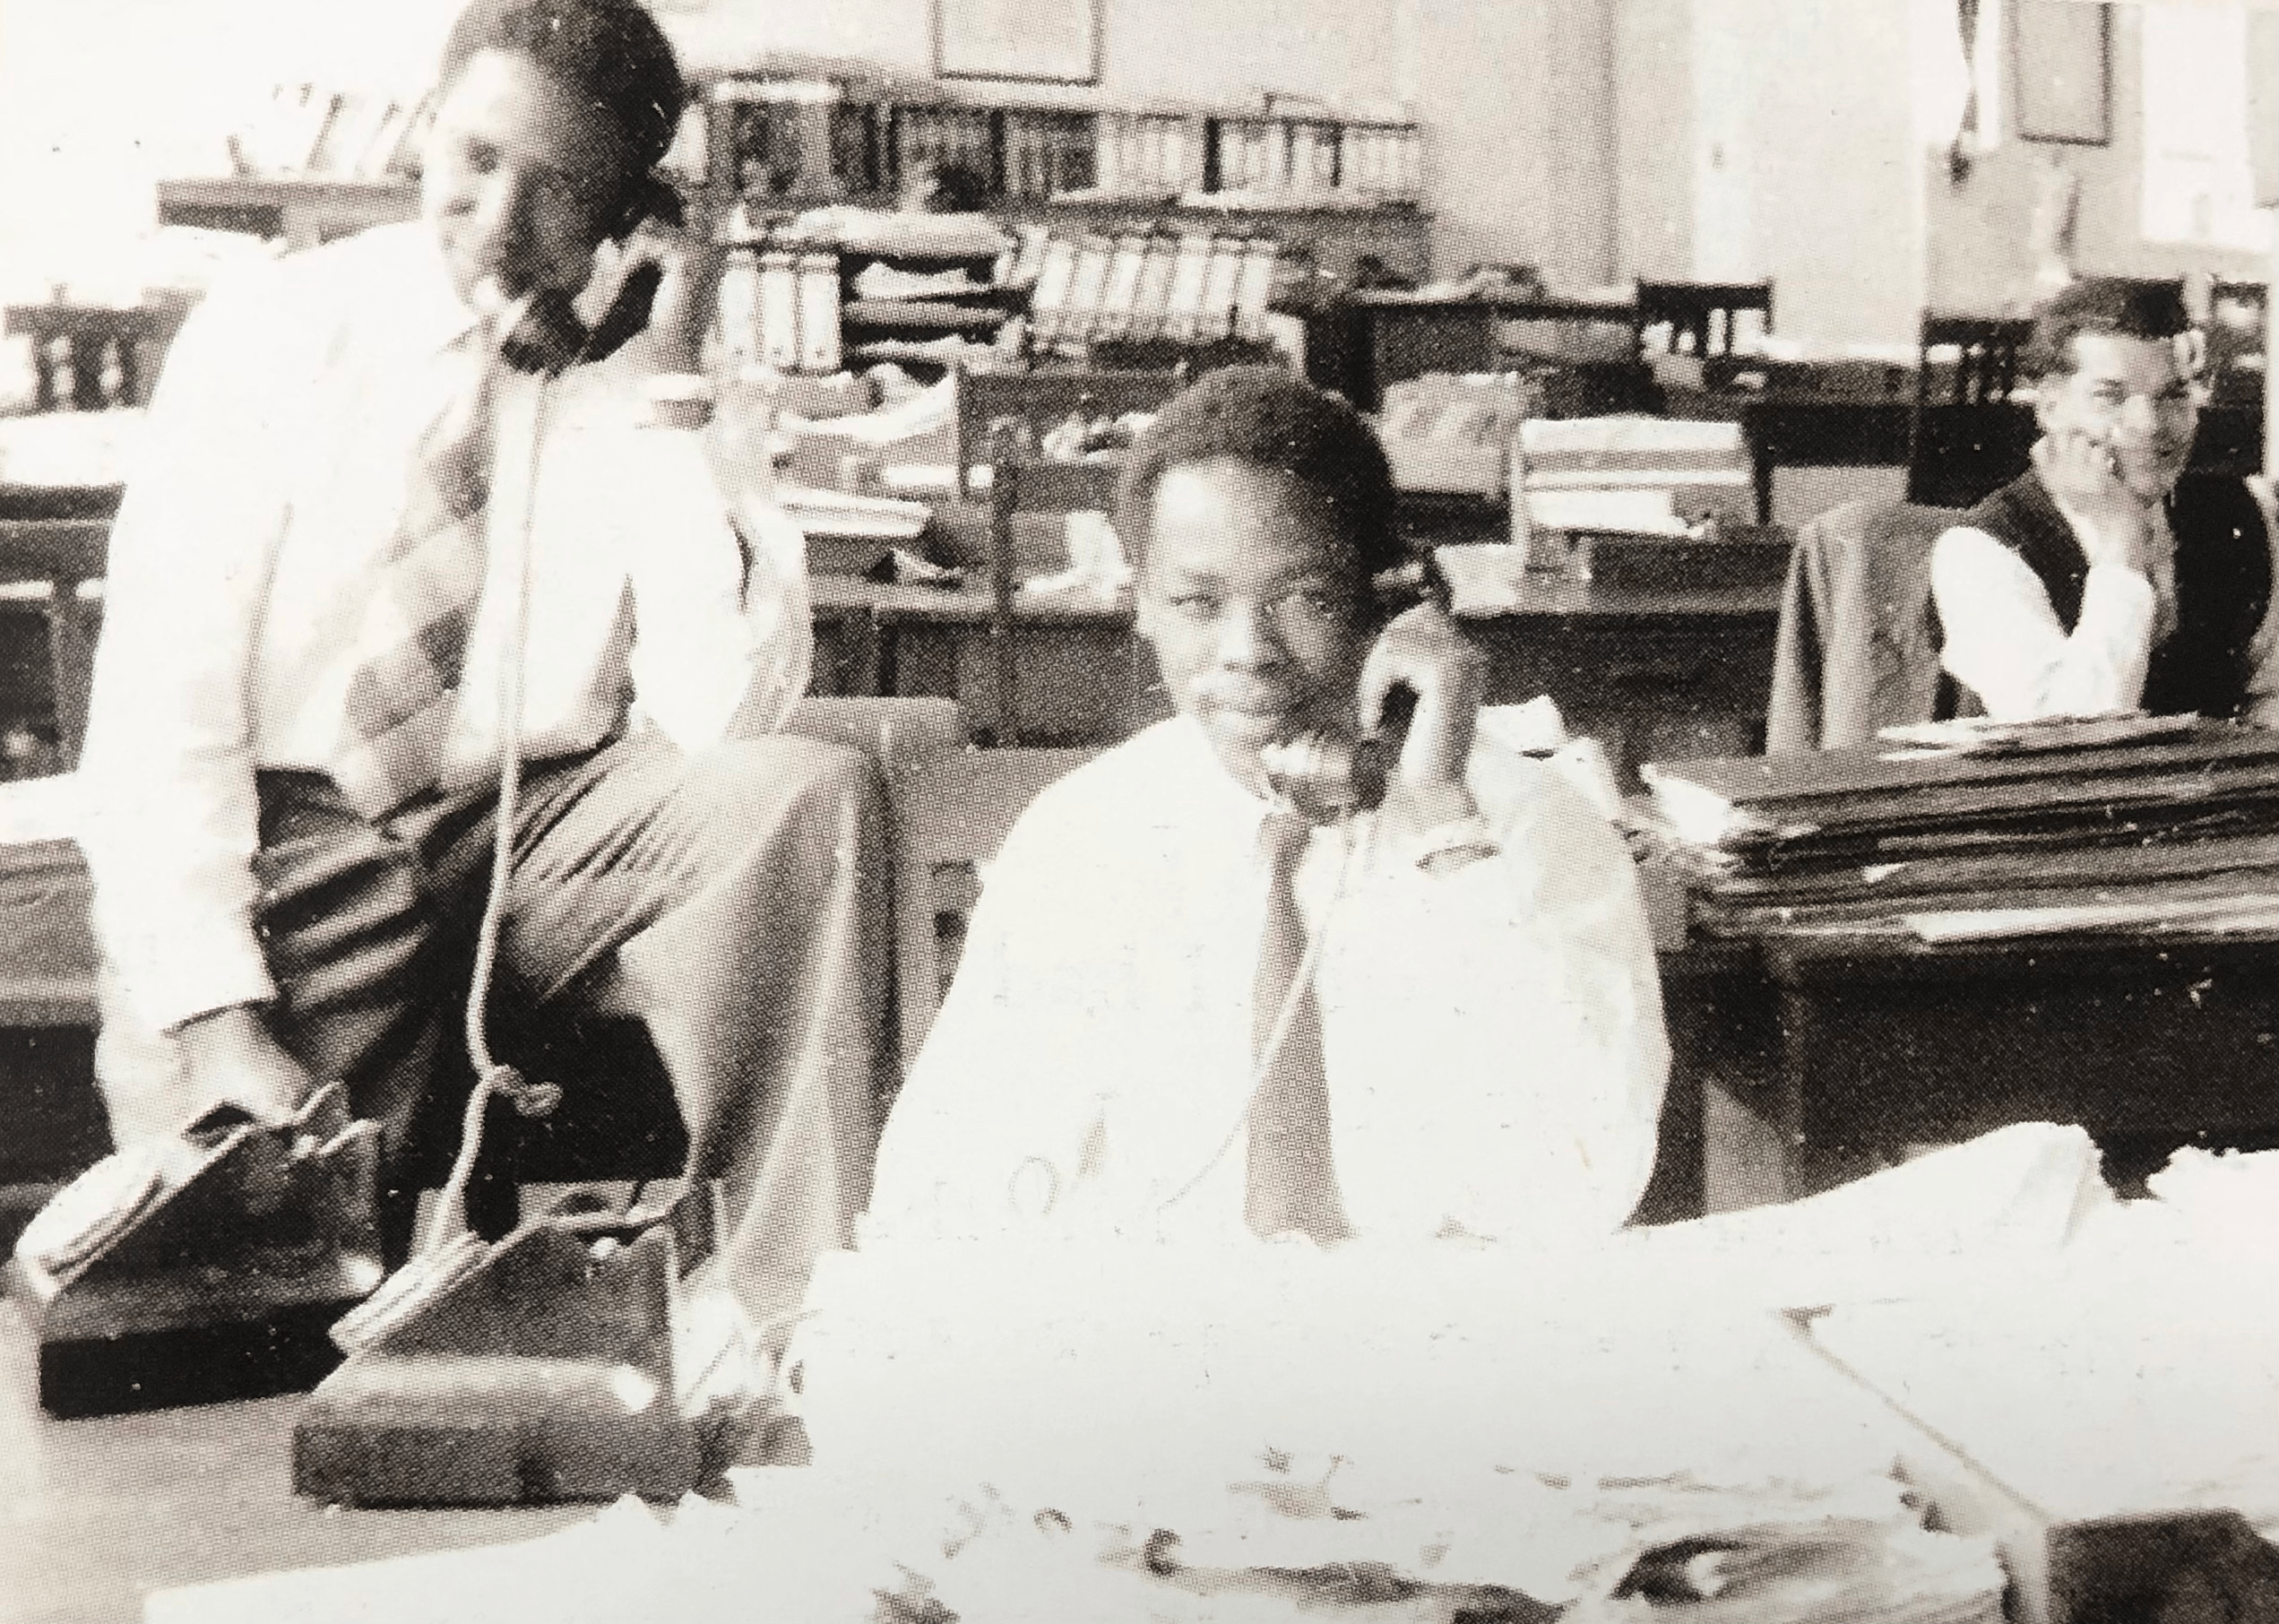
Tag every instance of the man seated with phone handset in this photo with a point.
(1209, 991)
(388, 482)
(2105, 578)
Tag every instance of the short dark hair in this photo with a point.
(2101, 304)
(1272, 419)
(609, 52)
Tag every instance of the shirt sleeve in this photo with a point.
(172, 819)
(2262, 707)
(2004, 640)
(722, 628)
(1505, 1019)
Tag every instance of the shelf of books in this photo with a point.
(1341, 186)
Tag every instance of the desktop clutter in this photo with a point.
(1706, 1422)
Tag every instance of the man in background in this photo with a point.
(2103, 579)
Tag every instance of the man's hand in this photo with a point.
(232, 1058)
(1423, 650)
(2114, 522)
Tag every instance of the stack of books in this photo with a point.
(2124, 825)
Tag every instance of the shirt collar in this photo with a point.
(1215, 792)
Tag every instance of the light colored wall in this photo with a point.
(1978, 253)
(1516, 98)
(1764, 138)
(1653, 138)
(1204, 50)
(99, 99)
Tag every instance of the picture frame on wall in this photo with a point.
(1045, 41)
(2061, 53)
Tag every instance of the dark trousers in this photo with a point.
(732, 900)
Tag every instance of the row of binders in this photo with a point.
(779, 307)
(1313, 158)
(2123, 826)
(315, 133)
(1190, 287)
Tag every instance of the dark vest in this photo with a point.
(2223, 582)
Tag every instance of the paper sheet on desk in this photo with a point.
(1637, 1356)
(2139, 1371)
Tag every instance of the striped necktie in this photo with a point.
(1292, 1180)
(412, 648)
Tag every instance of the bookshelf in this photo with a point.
(1336, 186)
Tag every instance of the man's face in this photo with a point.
(521, 178)
(1256, 607)
(2132, 394)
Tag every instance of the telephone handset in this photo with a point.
(1326, 777)
(550, 338)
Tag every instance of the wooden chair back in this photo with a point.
(88, 358)
(1018, 484)
(57, 558)
(952, 812)
(1966, 437)
(1701, 314)
(1985, 365)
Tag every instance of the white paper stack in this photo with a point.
(1632, 475)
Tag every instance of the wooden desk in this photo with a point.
(1083, 677)
(1667, 672)
(1816, 1061)
(304, 212)
(1401, 336)
(95, 1514)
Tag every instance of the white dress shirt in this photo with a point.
(263, 499)
(1492, 1032)
(2005, 642)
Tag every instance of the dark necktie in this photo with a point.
(403, 693)
(1292, 1178)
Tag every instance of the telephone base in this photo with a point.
(466, 1431)
(287, 1350)
(535, 1371)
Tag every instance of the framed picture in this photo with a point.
(1056, 41)
(2062, 50)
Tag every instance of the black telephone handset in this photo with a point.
(551, 339)
(1326, 778)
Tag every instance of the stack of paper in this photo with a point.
(1442, 432)
(2097, 828)
(1625, 475)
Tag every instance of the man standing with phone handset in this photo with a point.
(385, 481)
(1210, 991)
(2103, 578)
